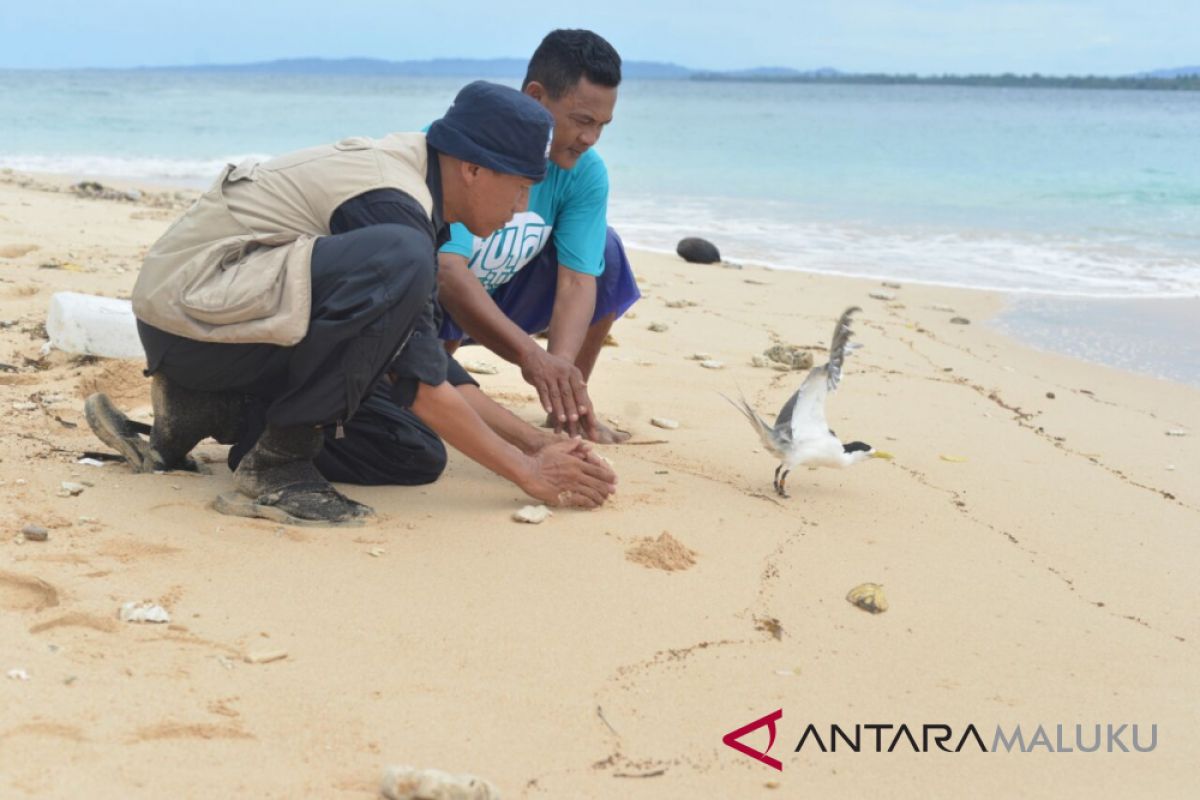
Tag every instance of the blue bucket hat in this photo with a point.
(496, 127)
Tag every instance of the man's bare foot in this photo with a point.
(604, 434)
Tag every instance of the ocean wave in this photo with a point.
(192, 172)
(1128, 265)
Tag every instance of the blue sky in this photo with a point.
(925, 36)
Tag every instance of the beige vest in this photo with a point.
(236, 267)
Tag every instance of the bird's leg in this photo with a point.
(782, 478)
(775, 482)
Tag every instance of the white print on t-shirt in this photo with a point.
(500, 256)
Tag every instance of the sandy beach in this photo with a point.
(1035, 533)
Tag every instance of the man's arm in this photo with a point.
(565, 473)
(558, 382)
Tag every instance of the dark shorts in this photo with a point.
(528, 299)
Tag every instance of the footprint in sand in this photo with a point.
(52, 729)
(78, 619)
(25, 592)
(175, 730)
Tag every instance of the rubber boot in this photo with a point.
(183, 417)
(279, 475)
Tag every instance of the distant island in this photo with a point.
(1182, 82)
(1176, 79)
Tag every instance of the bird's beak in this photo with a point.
(882, 454)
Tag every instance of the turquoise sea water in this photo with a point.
(1087, 194)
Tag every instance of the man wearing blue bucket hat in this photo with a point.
(292, 313)
(556, 267)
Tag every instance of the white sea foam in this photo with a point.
(195, 172)
(1024, 262)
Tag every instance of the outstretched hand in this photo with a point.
(561, 389)
(568, 473)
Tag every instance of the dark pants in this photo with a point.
(528, 299)
(368, 288)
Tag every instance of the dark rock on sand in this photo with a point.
(698, 251)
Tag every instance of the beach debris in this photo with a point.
(769, 625)
(92, 462)
(885, 296)
(712, 363)
(960, 321)
(376, 552)
(630, 315)
(754, 282)
(794, 671)
(700, 356)
(35, 533)
(1170, 467)
(666, 553)
(658, 327)
(884, 454)
(609, 341)
(480, 367)
(666, 423)
(760, 361)
(70, 489)
(681, 304)
(695, 250)
(409, 783)
(17, 674)
(792, 356)
(133, 611)
(264, 656)
(1176, 432)
(1049, 395)
(953, 459)
(99, 191)
(890, 285)
(532, 515)
(868, 597)
(944, 309)
(24, 405)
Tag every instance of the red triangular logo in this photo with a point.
(732, 737)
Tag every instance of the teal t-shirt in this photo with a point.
(569, 205)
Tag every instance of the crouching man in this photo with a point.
(292, 313)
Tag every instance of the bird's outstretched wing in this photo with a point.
(803, 415)
(837, 350)
(769, 436)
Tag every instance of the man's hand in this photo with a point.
(568, 473)
(560, 387)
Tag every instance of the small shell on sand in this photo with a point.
(265, 656)
(532, 515)
(960, 320)
(712, 364)
(1176, 432)
(868, 597)
(480, 367)
(658, 327)
(410, 783)
(134, 611)
(666, 423)
(700, 356)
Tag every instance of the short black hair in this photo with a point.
(566, 55)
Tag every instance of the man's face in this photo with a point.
(492, 199)
(580, 116)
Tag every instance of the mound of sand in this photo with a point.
(665, 553)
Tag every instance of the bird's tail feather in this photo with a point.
(765, 432)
